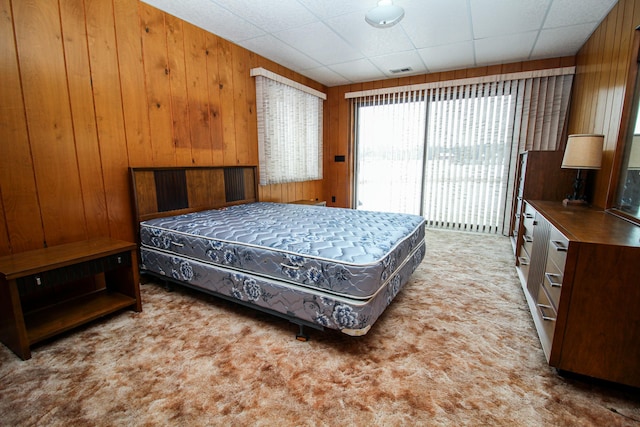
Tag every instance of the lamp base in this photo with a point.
(574, 202)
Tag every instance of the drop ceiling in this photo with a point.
(330, 42)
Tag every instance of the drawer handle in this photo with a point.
(527, 239)
(523, 260)
(553, 283)
(559, 246)
(528, 215)
(542, 308)
(38, 280)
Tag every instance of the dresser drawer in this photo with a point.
(523, 262)
(528, 219)
(527, 242)
(552, 282)
(547, 315)
(558, 247)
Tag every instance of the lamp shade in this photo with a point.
(584, 151)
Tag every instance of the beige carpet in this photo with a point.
(457, 347)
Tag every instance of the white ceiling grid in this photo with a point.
(330, 42)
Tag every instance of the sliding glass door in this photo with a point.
(442, 153)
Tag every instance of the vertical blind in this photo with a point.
(469, 143)
(289, 129)
(391, 128)
(448, 152)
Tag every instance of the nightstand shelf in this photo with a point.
(61, 273)
(50, 321)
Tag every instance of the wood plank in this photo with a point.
(144, 193)
(206, 187)
(195, 41)
(215, 115)
(134, 101)
(264, 193)
(83, 116)
(250, 192)
(241, 108)
(227, 102)
(20, 205)
(108, 104)
(39, 43)
(5, 246)
(252, 127)
(156, 71)
(178, 92)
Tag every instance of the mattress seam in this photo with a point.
(319, 291)
(319, 258)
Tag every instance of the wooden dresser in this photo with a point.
(581, 279)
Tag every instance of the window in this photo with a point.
(445, 150)
(289, 129)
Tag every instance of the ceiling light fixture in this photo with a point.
(385, 15)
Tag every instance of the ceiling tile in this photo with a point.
(326, 76)
(513, 48)
(277, 51)
(367, 39)
(491, 18)
(321, 43)
(435, 23)
(399, 60)
(210, 17)
(573, 37)
(358, 71)
(324, 9)
(448, 57)
(270, 16)
(562, 12)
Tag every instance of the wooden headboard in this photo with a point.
(166, 191)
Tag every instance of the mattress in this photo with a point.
(343, 252)
(297, 303)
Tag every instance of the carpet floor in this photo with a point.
(457, 347)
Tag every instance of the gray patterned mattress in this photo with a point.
(303, 261)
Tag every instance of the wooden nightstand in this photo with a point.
(310, 202)
(112, 264)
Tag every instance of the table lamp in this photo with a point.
(584, 151)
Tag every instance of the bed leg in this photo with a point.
(301, 335)
(168, 286)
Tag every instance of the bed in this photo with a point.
(204, 228)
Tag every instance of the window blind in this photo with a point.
(289, 130)
(448, 152)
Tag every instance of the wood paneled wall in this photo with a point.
(339, 175)
(602, 68)
(91, 87)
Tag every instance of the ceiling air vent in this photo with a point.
(400, 70)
